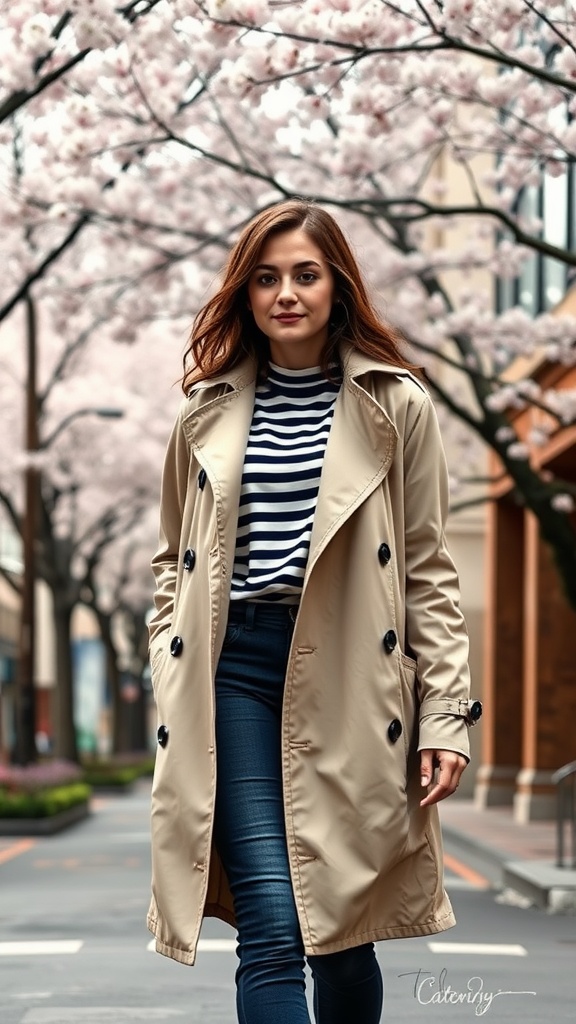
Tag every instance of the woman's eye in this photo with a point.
(266, 280)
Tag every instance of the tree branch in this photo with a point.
(10, 579)
(446, 42)
(10, 509)
(36, 274)
(18, 99)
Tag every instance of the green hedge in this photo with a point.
(109, 775)
(118, 771)
(44, 803)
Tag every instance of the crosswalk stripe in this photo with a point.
(51, 948)
(98, 1014)
(64, 947)
(217, 945)
(206, 946)
(481, 948)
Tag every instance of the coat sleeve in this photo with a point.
(435, 627)
(165, 561)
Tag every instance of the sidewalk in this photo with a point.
(525, 854)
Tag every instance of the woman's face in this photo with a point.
(291, 293)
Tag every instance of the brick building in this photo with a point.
(530, 635)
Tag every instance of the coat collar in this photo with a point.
(354, 364)
(360, 448)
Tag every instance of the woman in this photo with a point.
(309, 658)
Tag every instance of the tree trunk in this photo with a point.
(119, 738)
(139, 638)
(65, 739)
(139, 732)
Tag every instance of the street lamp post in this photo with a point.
(25, 739)
(102, 412)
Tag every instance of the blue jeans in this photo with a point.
(251, 840)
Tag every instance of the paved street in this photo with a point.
(74, 946)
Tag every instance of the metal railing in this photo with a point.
(565, 780)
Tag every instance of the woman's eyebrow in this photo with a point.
(297, 266)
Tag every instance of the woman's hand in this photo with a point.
(450, 766)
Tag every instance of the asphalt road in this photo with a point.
(74, 945)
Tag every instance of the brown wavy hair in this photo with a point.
(224, 331)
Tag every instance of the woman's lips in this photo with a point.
(288, 318)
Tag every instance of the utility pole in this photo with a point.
(25, 748)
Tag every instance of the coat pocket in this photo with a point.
(158, 650)
(408, 673)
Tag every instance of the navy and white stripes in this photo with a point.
(293, 411)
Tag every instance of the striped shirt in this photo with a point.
(293, 411)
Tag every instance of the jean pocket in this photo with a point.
(232, 633)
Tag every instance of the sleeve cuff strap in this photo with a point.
(469, 710)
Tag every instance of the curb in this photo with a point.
(546, 886)
(104, 789)
(497, 858)
(45, 826)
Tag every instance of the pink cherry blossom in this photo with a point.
(179, 124)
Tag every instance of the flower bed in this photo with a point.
(119, 772)
(34, 778)
(43, 803)
(41, 798)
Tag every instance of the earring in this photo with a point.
(338, 314)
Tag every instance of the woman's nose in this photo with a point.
(286, 293)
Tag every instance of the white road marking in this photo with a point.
(206, 946)
(47, 948)
(98, 1014)
(478, 948)
(32, 995)
(217, 946)
(70, 946)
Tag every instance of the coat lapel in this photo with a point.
(217, 431)
(360, 449)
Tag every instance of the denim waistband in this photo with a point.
(253, 612)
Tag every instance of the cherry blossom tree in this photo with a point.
(137, 139)
(118, 590)
(376, 98)
(99, 482)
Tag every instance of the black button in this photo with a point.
(162, 736)
(384, 554)
(389, 640)
(189, 560)
(201, 479)
(176, 645)
(475, 711)
(394, 730)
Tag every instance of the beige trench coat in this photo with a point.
(365, 859)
